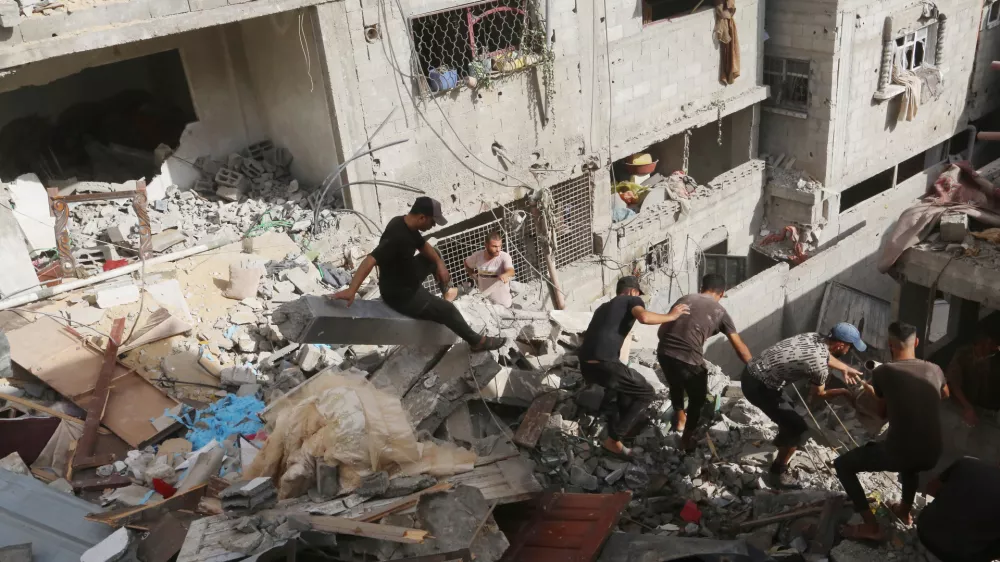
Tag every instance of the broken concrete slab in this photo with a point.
(305, 283)
(459, 518)
(166, 239)
(518, 387)
(404, 366)
(16, 553)
(117, 296)
(313, 319)
(110, 549)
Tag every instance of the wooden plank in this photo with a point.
(403, 503)
(46, 410)
(84, 456)
(63, 361)
(119, 517)
(793, 514)
(164, 540)
(101, 482)
(535, 420)
(342, 526)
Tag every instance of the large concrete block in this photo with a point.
(402, 369)
(313, 319)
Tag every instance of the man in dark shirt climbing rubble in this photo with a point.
(909, 393)
(600, 364)
(681, 352)
(806, 356)
(402, 272)
(962, 524)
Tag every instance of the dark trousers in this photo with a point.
(792, 428)
(685, 378)
(990, 553)
(426, 306)
(626, 394)
(874, 457)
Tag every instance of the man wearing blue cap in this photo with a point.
(805, 356)
(909, 393)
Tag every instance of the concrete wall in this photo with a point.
(803, 30)
(985, 86)
(449, 152)
(846, 136)
(291, 91)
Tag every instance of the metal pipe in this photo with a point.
(66, 287)
(871, 365)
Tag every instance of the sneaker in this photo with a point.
(785, 480)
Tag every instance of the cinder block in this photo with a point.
(10, 14)
(954, 227)
(199, 5)
(160, 8)
(10, 36)
(115, 296)
(37, 28)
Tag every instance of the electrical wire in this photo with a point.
(305, 49)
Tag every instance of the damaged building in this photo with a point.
(182, 181)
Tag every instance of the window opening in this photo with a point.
(789, 82)
(911, 50)
(993, 17)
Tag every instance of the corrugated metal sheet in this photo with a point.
(871, 315)
(567, 528)
(52, 521)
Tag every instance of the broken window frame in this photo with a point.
(647, 11)
(740, 264)
(787, 83)
(904, 58)
(993, 14)
(524, 55)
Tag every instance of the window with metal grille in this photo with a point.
(993, 17)
(789, 82)
(573, 216)
(656, 10)
(732, 268)
(482, 40)
(911, 50)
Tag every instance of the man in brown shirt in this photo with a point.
(974, 373)
(909, 393)
(681, 352)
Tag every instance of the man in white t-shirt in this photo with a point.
(492, 269)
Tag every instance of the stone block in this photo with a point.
(115, 296)
(313, 319)
(954, 227)
(110, 549)
(229, 193)
(199, 5)
(37, 28)
(238, 376)
(160, 8)
(402, 369)
(309, 358)
(10, 14)
(118, 234)
(166, 239)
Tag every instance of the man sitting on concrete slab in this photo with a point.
(962, 524)
(492, 269)
(681, 352)
(600, 363)
(806, 356)
(402, 273)
(909, 393)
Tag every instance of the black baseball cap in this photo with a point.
(628, 282)
(429, 207)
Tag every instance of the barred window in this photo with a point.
(993, 17)
(482, 41)
(573, 223)
(732, 268)
(789, 82)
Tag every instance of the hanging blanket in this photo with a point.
(911, 97)
(729, 41)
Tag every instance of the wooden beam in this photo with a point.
(342, 526)
(793, 514)
(46, 410)
(403, 503)
(84, 457)
(535, 420)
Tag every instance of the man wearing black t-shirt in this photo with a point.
(962, 524)
(405, 259)
(600, 363)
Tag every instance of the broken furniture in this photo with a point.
(60, 209)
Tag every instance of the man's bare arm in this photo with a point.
(348, 294)
(851, 375)
(441, 270)
(740, 348)
(820, 391)
(653, 318)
